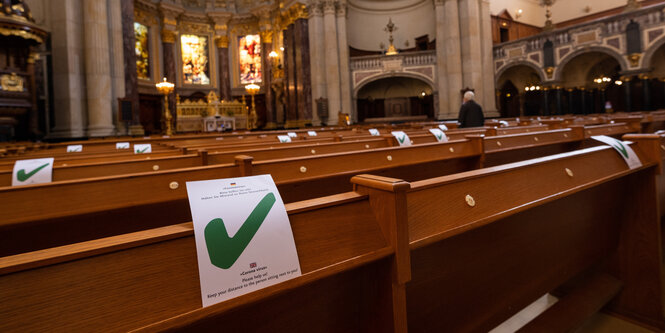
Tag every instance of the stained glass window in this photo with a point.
(195, 67)
(250, 59)
(142, 51)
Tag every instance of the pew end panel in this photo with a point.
(477, 260)
(149, 280)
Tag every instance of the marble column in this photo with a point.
(304, 73)
(451, 43)
(546, 102)
(266, 48)
(487, 72)
(470, 41)
(290, 78)
(344, 66)
(97, 68)
(332, 62)
(116, 25)
(222, 44)
(317, 52)
(168, 47)
(129, 56)
(68, 71)
(627, 86)
(442, 98)
(559, 110)
(646, 94)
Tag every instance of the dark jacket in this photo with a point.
(471, 115)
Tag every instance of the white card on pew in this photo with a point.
(374, 132)
(439, 135)
(443, 127)
(243, 236)
(311, 133)
(122, 145)
(402, 138)
(284, 138)
(142, 148)
(74, 148)
(292, 134)
(622, 148)
(35, 171)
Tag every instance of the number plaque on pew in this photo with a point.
(243, 236)
(35, 171)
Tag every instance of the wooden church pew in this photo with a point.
(123, 203)
(416, 256)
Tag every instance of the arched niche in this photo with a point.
(395, 98)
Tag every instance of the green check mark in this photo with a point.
(143, 150)
(224, 250)
(22, 176)
(439, 136)
(401, 140)
(621, 149)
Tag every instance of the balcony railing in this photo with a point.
(410, 59)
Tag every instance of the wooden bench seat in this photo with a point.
(413, 256)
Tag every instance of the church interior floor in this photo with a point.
(600, 323)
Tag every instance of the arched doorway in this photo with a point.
(509, 100)
(395, 98)
(514, 97)
(589, 81)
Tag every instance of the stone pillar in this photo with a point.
(441, 99)
(559, 110)
(583, 93)
(97, 68)
(266, 48)
(344, 68)
(290, 77)
(68, 69)
(471, 52)
(646, 92)
(451, 43)
(546, 107)
(222, 43)
(627, 86)
(168, 47)
(332, 61)
(130, 82)
(317, 55)
(116, 42)
(487, 73)
(303, 71)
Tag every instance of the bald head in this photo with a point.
(468, 96)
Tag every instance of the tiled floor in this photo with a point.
(600, 323)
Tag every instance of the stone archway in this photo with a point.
(512, 82)
(395, 98)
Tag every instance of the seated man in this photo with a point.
(470, 114)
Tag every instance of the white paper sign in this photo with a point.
(374, 132)
(34, 171)
(292, 134)
(503, 123)
(122, 145)
(142, 148)
(284, 138)
(166, 136)
(74, 148)
(622, 148)
(402, 138)
(311, 133)
(439, 135)
(243, 236)
(443, 127)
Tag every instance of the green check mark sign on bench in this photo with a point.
(402, 138)
(622, 148)
(225, 250)
(243, 236)
(33, 171)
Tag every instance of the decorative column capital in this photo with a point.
(341, 9)
(222, 42)
(315, 8)
(168, 36)
(329, 6)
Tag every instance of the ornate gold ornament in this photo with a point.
(168, 36)
(634, 59)
(11, 82)
(222, 42)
